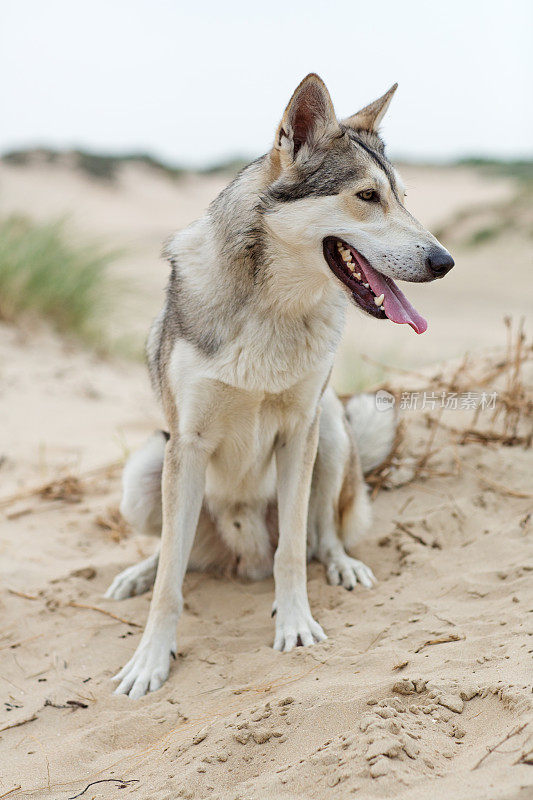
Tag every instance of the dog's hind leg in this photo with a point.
(134, 580)
(141, 508)
(339, 509)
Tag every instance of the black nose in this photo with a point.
(439, 262)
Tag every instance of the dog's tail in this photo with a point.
(373, 422)
(141, 485)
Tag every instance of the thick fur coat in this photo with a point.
(260, 469)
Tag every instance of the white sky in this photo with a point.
(194, 82)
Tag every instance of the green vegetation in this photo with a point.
(100, 166)
(46, 274)
(231, 166)
(520, 169)
(483, 224)
(105, 167)
(485, 235)
(356, 373)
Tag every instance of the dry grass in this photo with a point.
(68, 490)
(65, 489)
(113, 523)
(509, 424)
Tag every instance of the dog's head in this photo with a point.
(338, 203)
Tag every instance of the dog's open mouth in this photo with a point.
(375, 293)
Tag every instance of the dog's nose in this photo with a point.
(439, 262)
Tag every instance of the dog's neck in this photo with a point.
(247, 300)
(248, 251)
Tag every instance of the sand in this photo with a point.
(423, 688)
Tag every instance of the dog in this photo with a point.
(260, 453)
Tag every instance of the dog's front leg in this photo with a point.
(295, 457)
(183, 486)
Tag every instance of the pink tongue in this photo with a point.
(397, 306)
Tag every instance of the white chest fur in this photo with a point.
(238, 426)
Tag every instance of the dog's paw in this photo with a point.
(348, 572)
(132, 581)
(148, 669)
(293, 628)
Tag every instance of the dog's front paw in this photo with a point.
(349, 571)
(148, 669)
(296, 627)
(132, 581)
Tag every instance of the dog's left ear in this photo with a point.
(308, 120)
(369, 118)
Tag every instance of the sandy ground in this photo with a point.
(421, 679)
(417, 679)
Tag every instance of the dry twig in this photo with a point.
(504, 489)
(10, 791)
(104, 611)
(525, 757)
(506, 738)
(451, 637)
(123, 784)
(19, 723)
(414, 536)
(23, 594)
(400, 665)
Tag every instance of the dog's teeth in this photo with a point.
(357, 275)
(346, 255)
(379, 300)
(366, 285)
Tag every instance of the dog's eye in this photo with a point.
(369, 195)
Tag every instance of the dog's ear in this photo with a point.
(369, 118)
(309, 119)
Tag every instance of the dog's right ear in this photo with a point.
(308, 121)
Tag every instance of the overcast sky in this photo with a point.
(195, 82)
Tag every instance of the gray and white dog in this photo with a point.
(260, 453)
